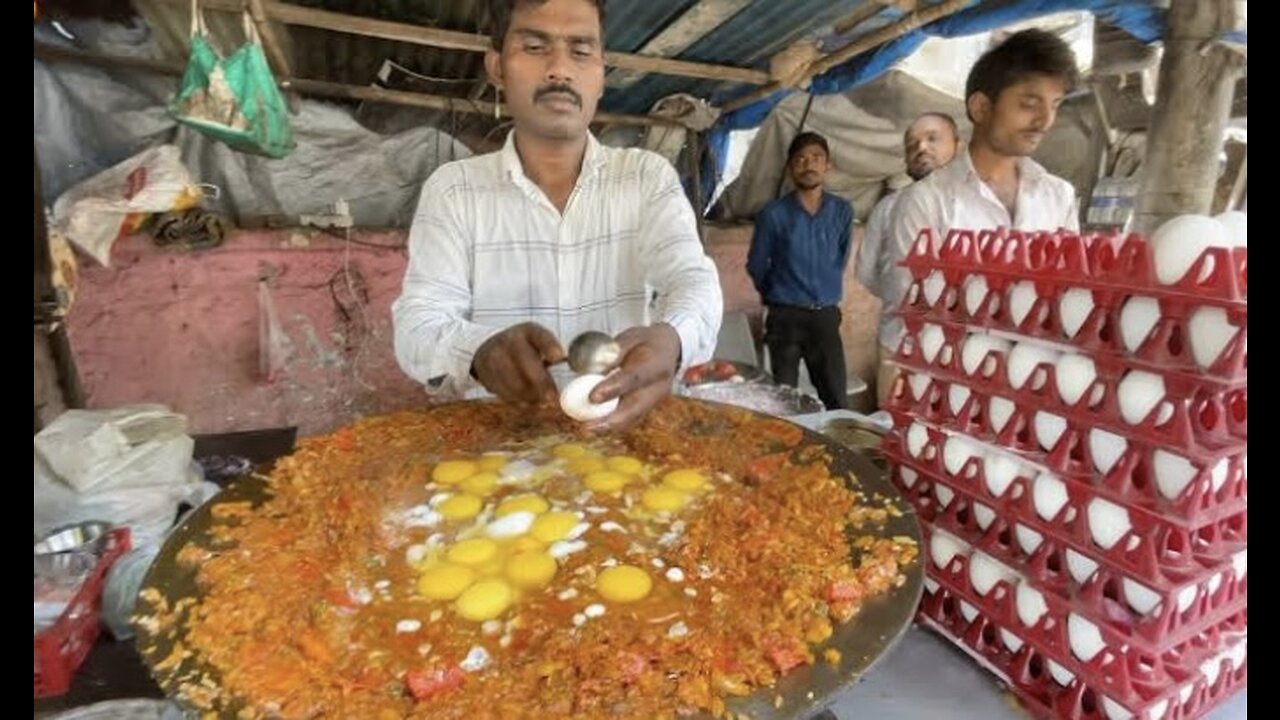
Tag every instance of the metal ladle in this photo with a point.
(593, 352)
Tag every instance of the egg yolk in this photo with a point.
(664, 499)
(586, 465)
(481, 483)
(522, 503)
(493, 567)
(569, 451)
(452, 472)
(623, 584)
(445, 582)
(531, 570)
(460, 507)
(686, 480)
(476, 551)
(624, 464)
(605, 481)
(492, 463)
(553, 526)
(526, 543)
(485, 600)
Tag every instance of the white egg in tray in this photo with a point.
(1148, 606)
(1095, 638)
(1187, 255)
(1089, 518)
(1183, 243)
(1157, 474)
(1166, 335)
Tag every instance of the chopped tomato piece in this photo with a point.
(784, 654)
(633, 666)
(425, 684)
(840, 591)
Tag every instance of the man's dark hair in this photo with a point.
(500, 12)
(1021, 55)
(944, 117)
(804, 140)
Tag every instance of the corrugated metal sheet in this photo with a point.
(746, 40)
(629, 24)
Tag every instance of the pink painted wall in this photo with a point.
(183, 328)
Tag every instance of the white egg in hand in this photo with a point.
(576, 403)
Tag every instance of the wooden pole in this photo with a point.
(867, 42)
(270, 42)
(52, 53)
(1197, 80)
(52, 348)
(437, 102)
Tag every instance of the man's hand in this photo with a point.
(650, 358)
(513, 364)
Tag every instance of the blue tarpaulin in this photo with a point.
(1140, 18)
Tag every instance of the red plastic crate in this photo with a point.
(1051, 692)
(1105, 261)
(1152, 551)
(61, 648)
(1214, 487)
(1165, 350)
(1151, 544)
(1196, 418)
(1152, 616)
(1130, 675)
(1145, 551)
(1008, 590)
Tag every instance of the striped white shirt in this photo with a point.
(953, 196)
(488, 250)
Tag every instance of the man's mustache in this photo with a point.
(558, 90)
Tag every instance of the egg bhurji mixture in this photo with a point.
(443, 564)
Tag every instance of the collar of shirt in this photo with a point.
(592, 161)
(961, 170)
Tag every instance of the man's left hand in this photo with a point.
(650, 359)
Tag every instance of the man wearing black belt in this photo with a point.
(797, 262)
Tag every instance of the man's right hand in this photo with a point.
(513, 364)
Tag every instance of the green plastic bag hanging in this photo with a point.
(234, 99)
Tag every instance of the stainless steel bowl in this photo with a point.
(70, 550)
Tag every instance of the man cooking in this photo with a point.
(514, 253)
(929, 143)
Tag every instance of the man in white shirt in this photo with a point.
(1012, 98)
(929, 143)
(515, 253)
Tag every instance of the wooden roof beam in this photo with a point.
(455, 40)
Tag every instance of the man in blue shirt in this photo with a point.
(797, 262)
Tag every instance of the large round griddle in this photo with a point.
(804, 691)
